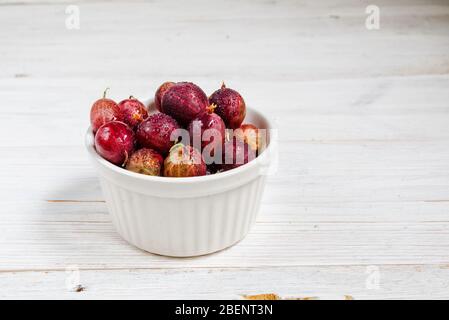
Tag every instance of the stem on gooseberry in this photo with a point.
(104, 92)
(211, 108)
(223, 86)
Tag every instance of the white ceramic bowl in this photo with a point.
(184, 217)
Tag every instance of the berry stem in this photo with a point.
(104, 92)
(211, 108)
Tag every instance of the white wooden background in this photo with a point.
(362, 189)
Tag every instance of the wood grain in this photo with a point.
(363, 175)
(339, 282)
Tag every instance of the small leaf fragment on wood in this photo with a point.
(273, 296)
(263, 296)
(302, 298)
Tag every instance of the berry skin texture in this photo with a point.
(145, 161)
(160, 93)
(208, 121)
(250, 134)
(184, 161)
(133, 111)
(103, 111)
(114, 141)
(184, 101)
(155, 131)
(230, 106)
(236, 153)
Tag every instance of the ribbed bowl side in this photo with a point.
(184, 227)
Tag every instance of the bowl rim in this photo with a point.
(89, 143)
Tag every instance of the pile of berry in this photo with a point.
(190, 135)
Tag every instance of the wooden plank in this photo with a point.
(322, 173)
(412, 108)
(51, 242)
(357, 282)
(282, 41)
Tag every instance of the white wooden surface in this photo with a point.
(363, 178)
